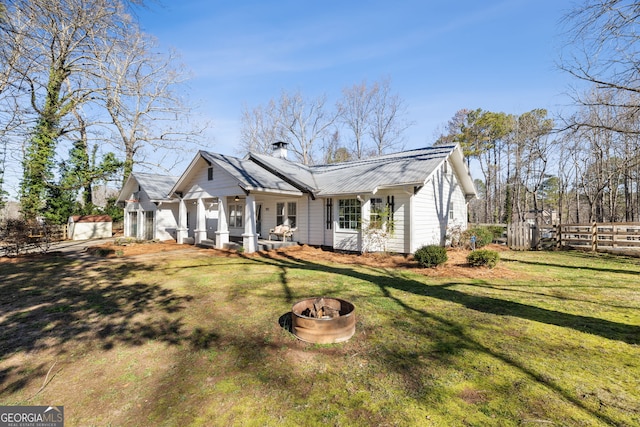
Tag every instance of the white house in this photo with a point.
(149, 213)
(409, 198)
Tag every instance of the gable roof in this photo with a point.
(250, 175)
(260, 172)
(156, 186)
(406, 168)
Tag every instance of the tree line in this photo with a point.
(574, 168)
(85, 95)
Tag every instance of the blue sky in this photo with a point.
(441, 55)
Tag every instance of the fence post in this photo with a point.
(594, 237)
(558, 233)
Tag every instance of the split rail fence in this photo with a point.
(595, 236)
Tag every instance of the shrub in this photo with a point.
(483, 257)
(430, 255)
(484, 236)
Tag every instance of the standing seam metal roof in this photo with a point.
(249, 174)
(411, 167)
(157, 187)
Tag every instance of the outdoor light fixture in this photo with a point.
(236, 199)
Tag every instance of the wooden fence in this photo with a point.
(600, 235)
(525, 236)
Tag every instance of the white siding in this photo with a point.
(166, 221)
(399, 239)
(91, 230)
(345, 240)
(327, 231)
(430, 209)
(222, 183)
(317, 222)
(269, 215)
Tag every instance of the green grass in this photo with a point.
(199, 341)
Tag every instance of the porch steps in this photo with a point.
(263, 245)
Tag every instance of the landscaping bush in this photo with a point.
(484, 236)
(483, 257)
(430, 255)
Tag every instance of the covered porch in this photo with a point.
(231, 222)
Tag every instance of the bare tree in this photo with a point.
(301, 122)
(374, 112)
(54, 42)
(354, 112)
(537, 149)
(388, 119)
(603, 50)
(9, 105)
(260, 128)
(306, 122)
(139, 93)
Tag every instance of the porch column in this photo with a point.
(250, 237)
(140, 227)
(182, 231)
(222, 233)
(200, 233)
(125, 223)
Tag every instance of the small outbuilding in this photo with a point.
(84, 227)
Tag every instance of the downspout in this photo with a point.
(308, 221)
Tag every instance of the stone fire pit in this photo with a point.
(323, 320)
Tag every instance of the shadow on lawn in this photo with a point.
(451, 338)
(587, 256)
(629, 334)
(48, 302)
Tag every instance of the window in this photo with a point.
(451, 214)
(133, 224)
(286, 213)
(148, 225)
(235, 215)
(376, 214)
(210, 174)
(391, 207)
(349, 214)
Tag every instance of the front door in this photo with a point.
(259, 219)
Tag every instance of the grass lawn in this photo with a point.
(200, 339)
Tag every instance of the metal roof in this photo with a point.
(260, 172)
(406, 168)
(156, 186)
(250, 175)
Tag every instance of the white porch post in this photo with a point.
(250, 238)
(182, 230)
(125, 223)
(222, 233)
(200, 233)
(140, 227)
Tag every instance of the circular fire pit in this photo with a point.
(323, 320)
